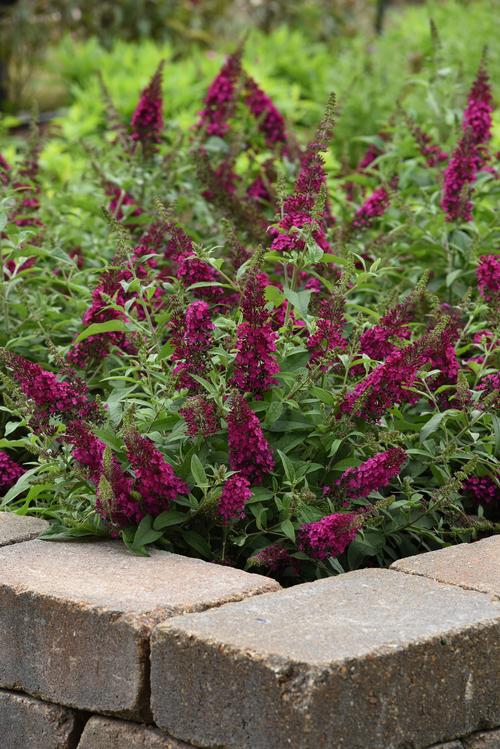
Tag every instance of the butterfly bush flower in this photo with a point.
(200, 416)
(155, 479)
(442, 356)
(273, 557)
(387, 385)
(10, 471)
(483, 489)
(115, 501)
(372, 152)
(191, 353)
(432, 153)
(374, 206)
(299, 208)
(88, 450)
(147, 119)
(96, 347)
(477, 116)
(270, 120)
(219, 101)
(459, 176)
(191, 269)
(327, 336)
(255, 363)
(118, 199)
(51, 396)
(373, 474)
(330, 536)
(488, 277)
(4, 170)
(235, 494)
(249, 451)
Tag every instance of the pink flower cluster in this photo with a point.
(255, 363)
(219, 101)
(459, 176)
(155, 479)
(468, 157)
(88, 449)
(298, 209)
(51, 396)
(249, 451)
(147, 119)
(118, 199)
(442, 356)
(483, 489)
(330, 536)
(193, 345)
(432, 153)
(273, 557)
(270, 121)
(155, 484)
(387, 384)
(235, 494)
(191, 270)
(97, 347)
(477, 114)
(328, 334)
(373, 474)
(375, 342)
(373, 207)
(200, 416)
(488, 277)
(10, 471)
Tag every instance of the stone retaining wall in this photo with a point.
(103, 650)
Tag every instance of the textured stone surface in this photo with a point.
(75, 618)
(372, 658)
(475, 566)
(448, 745)
(106, 733)
(15, 528)
(26, 723)
(484, 740)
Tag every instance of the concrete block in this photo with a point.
(474, 566)
(371, 658)
(26, 723)
(15, 528)
(75, 618)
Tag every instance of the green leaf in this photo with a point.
(273, 295)
(198, 472)
(288, 466)
(299, 299)
(165, 351)
(20, 486)
(288, 529)
(432, 425)
(273, 412)
(97, 328)
(145, 533)
(167, 518)
(198, 543)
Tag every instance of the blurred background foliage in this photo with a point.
(297, 51)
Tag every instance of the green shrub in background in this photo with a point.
(406, 65)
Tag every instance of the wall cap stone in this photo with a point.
(16, 528)
(370, 658)
(75, 618)
(474, 566)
